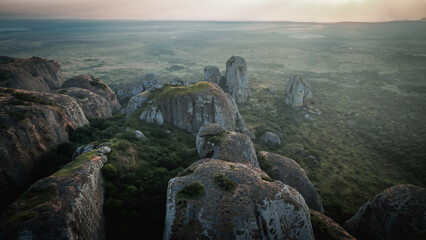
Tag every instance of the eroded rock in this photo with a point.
(298, 92)
(223, 200)
(326, 228)
(235, 81)
(212, 74)
(270, 138)
(153, 116)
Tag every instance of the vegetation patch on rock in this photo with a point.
(192, 191)
(224, 183)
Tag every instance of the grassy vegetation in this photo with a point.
(170, 91)
(192, 191)
(224, 183)
(71, 167)
(217, 139)
(30, 98)
(98, 84)
(321, 230)
(266, 178)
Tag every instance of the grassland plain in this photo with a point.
(369, 81)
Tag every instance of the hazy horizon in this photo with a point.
(321, 11)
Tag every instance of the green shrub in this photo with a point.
(224, 183)
(109, 170)
(98, 84)
(30, 98)
(268, 179)
(192, 191)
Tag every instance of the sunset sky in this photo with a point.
(218, 10)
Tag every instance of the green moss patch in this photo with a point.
(192, 191)
(98, 84)
(30, 98)
(170, 91)
(187, 172)
(217, 139)
(224, 183)
(268, 179)
(36, 196)
(71, 167)
(321, 230)
(22, 217)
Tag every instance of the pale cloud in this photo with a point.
(222, 10)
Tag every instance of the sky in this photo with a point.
(218, 10)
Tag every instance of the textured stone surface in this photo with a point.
(129, 89)
(298, 92)
(153, 116)
(95, 85)
(235, 81)
(34, 74)
(210, 129)
(270, 138)
(93, 104)
(136, 102)
(228, 146)
(398, 212)
(212, 74)
(252, 209)
(188, 108)
(29, 128)
(327, 228)
(291, 173)
(68, 205)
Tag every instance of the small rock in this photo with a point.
(212, 74)
(105, 150)
(307, 116)
(250, 135)
(210, 129)
(153, 116)
(139, 134)
(298, 92)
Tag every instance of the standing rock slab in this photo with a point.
(291, 173)
(212, 74)
(235, 81)
(227, 146)
(152, 116)
(66, 205)
(396, 213)
(223, 200)
(298, 92)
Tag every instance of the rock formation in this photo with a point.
(34, 74)
(214, 142)
(153, 116)
(129, 89)
(95, 85)
(325, 228)
(298, 92)
(396, 213)
(270, 138)
(66, 205)
(235, 81)
(212, 74)
(291, 173)
(93, 104)
(188, 108)
(223, 200)
(31, 123)
(136, 102)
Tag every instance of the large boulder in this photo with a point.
(153, 116)
(189, 108)
(396, 213)
(326, 228)
(34, 74)
(223, 200)
(291, 173)
(213, 142)
(212, 74)
(93, 104)
(235, 81)
(270, 138)
(298, 92)
(129, 89)
(30, 124)
(95, 85)
(66, 205)
(136, 102)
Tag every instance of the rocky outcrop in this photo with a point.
(270, 138)
(213, 142)
(396, 213)
(212, 74)
(223, 200)
(291, 173)
(235, 81)
(129, 89)
(93, 104)
(325, 228)
(95, 85)
(136, 102)
(66, 205)
(34, 74)
(188, 108)
(298, 92)
(153, 116)
(31, 123)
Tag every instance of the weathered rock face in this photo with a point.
(298, 92)
(270, 138)
(188, 108)
(34, 74)
(235, 81)
(212, 74)
(129, 89)
(396, 213)
(153, 116)
(136, 102)
(228, 146)
(93, 105)
(31, 123)
(289, 172)
(66, 205)
(325, 228)
(222, 200)
(91, 83)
